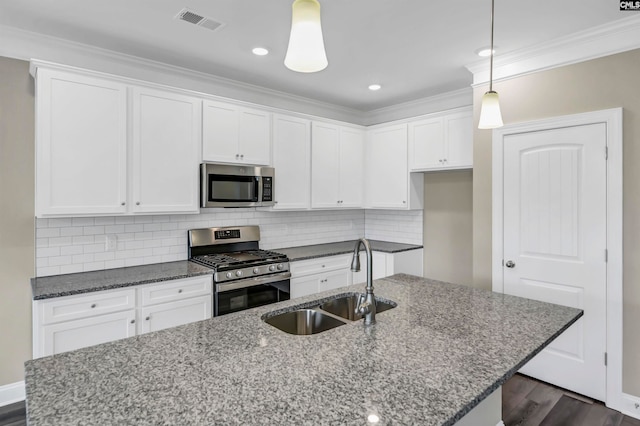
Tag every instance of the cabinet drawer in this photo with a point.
(169, 291)
(323, 264)
(83, 306)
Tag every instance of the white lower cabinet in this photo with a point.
(76, 334)
(173, 314)
(316, 275)
(326, 273)
(72, 322)
(165, 305)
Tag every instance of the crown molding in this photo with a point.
(415, 108)
(604, 40)
(26, 45)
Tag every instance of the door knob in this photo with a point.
(510, 264)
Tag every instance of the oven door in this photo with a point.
(239, 295)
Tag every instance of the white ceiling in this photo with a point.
(413, 48)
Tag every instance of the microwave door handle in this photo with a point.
(251, 282)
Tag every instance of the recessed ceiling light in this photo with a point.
(374, 87)
(485, 52)
(260, 51)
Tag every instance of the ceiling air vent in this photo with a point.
(199, 20)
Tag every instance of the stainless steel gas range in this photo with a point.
(244, 275)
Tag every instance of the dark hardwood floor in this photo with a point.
(13, 415)
(528, 402)
(525, 402)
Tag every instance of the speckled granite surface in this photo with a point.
(332, 249)
(85, 282)
(428, 361)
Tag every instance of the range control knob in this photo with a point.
(238, 273)
(280, 266)
(256, 270)
(228, 274)
(272, 267)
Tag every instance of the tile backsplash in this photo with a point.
(68, 245)
(394, 226)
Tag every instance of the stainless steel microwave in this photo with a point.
(225, 185)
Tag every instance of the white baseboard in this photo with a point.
(13, 392)
(631, 405)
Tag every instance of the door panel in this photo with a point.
(325, 165)
(555, 235)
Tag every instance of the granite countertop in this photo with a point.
(332, 249)
(85, 282)
(428, 361)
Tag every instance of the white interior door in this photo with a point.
(555, 243)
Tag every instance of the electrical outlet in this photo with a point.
(110, 242)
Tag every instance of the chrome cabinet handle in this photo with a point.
(510, 264)
(122, 203)
(147, 318)
(133, 321)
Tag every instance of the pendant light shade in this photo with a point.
(490, 115)
(306, 45)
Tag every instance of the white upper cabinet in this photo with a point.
(81, 145)
(89, 164)
(389, 184)
(337, 156)
(351, 167)
(234, 134)
(292, 162)
(441, 142)
(166, 144)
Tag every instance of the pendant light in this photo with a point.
(306, 45)
(490, 115)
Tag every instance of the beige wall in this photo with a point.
(17, 226)
(589, 86)
(448, 226)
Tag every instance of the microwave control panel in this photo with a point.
(267, 193)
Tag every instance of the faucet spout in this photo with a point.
(367, 302)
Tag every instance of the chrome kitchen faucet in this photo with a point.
(366, 305)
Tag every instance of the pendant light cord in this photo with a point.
(491, 62)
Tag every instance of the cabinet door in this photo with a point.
(72, 335)
(305, 286)
(292, 162)
(173, 314)
(254, 138)
(459, 140)
(232, 134)
(387, 171)
(325, 165)
(351, 168)
(426, 144)
(335, 279)
(166, 142)
(220, 124)
(81, 144)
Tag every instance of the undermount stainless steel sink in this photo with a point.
(345, 307)
(322, 317)
(304, 322)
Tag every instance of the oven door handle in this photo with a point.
(250, 282)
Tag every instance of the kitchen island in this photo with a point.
(430, 360)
